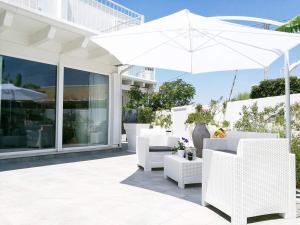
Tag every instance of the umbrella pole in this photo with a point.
(287, 98)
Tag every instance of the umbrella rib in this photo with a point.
(190, 39)
(155, 47)
(274, 33)
(236, 51)
(135, 33)
(246, 44)
(179, 45)
(204, 43)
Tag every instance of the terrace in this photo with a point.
(103, 187)
(98, 15)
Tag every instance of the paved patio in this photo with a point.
(100, 188)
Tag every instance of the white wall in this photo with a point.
(234, 108)
(180, 114)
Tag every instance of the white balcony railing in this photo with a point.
(146, 73)
(99, 15)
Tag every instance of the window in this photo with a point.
(85, 114)
(28, 105)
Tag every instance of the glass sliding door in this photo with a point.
(85, 114)
(27, 105)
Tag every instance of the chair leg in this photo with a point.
(204, 204)
(181, 184)
(239, 220)
(147, 169)
(289, 215)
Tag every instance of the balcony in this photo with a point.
(144, 77)
(98, 15)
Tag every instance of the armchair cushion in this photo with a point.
(160, 149)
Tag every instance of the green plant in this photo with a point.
(145, 115)
(271, 119)
(181, 145)
(292, 26)
(201, 115)
(175, 93)
(136, 98)
(296, 151)
(225, 124)
(241, 96)
(162, 120)
(276, 87)
(267, 120)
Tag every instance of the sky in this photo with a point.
(215, 85)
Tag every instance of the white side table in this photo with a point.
(182, 170)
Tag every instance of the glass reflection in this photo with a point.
(27, 106)
(85, 116)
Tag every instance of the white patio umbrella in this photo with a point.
(188, 42)
(14, 93)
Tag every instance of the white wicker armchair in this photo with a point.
(151, 147)
(258, 180)
(230, 143)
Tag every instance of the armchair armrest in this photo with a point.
(215, 143)
(172, 141)
(142, 150)
(218, 171)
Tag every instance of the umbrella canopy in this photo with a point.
(14, 93)
(188, 42)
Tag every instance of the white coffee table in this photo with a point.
(182, 170)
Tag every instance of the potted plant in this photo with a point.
(136, 115)
(180, 148)
(200, 119)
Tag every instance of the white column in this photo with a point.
(117, 109)
(59, 106)
(287, 97)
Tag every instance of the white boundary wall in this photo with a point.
(235, 108)
(180, 114)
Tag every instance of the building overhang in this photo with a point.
(35, 30)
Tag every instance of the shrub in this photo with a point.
(162, 120)
(145, 115)
(296, 150)
(241, 96)
(276, 87)
(136, 98)
(201, 115)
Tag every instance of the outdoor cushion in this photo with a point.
(226, 151)
(160, 149)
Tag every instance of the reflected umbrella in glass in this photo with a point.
(11, 93)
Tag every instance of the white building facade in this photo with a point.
(59, 91)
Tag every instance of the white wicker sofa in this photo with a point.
(257, 179)
(151, 147)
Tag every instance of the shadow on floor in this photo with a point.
(70, 157)
(155, 181)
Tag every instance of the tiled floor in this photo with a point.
(103, 191)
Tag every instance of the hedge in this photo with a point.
(276, 87)
(296, 150)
